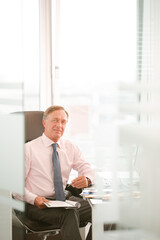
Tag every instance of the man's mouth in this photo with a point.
(57, 131)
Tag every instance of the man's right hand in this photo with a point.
(39, 202)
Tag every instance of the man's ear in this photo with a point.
(43, 122)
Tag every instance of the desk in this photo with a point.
(106, 226)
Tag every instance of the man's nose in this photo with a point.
(59, 124)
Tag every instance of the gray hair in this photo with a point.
(52, 109)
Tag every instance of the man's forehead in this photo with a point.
(58, 114)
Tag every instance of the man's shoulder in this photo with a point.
(66, 143)
(34, 142)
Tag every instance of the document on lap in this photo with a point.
(66, 204)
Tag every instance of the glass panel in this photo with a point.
(11, 169)
(114, 108)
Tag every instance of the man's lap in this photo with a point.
(56, 215)
(85, 213)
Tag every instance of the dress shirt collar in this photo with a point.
(48, 142)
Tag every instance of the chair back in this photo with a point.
(33, 124)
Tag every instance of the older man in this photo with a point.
(40, 184)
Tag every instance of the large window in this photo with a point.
(19, 90)
(96, 51)
(19, 58)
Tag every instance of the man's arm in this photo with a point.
(85, 171)
(39, 202)
(29, 196)
(81, 182)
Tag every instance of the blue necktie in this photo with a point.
(58, 186)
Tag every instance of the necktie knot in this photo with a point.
(54, 145)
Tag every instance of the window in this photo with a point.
(19, 58)
(96, 51)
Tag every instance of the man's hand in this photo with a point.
(80, 182)
(39, 202)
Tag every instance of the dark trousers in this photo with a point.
(68, 220)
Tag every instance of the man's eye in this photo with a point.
(59, 121)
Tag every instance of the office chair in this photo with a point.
(33, 129)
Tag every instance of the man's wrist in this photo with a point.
(89, 182)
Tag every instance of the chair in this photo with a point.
(33, 124)
(35, 227)
(33, 129)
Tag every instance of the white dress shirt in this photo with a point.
(39, 166)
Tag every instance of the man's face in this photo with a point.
(55, 125)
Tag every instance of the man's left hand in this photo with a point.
(80, 182)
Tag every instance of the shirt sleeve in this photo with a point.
(29, 196)
(82, 166)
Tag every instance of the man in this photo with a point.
(39, 171)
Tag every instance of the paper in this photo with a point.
(66, 204)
